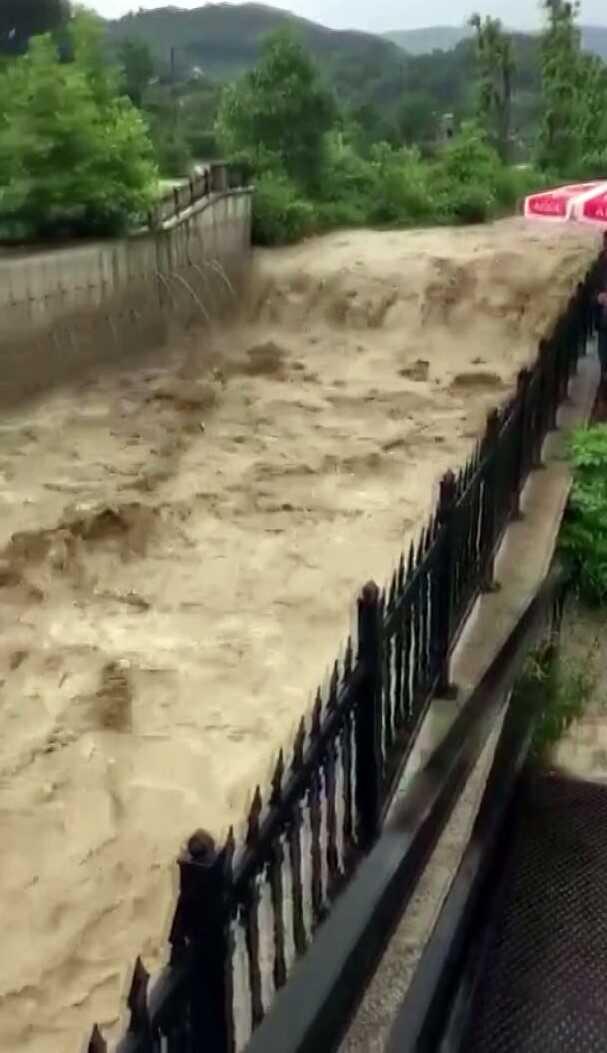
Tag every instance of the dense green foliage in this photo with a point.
(137, 65)
(75, 157)
(558, 690)
(560, 49)
(584, 535)
(496, 73)
(279, 113)
(573, 131)
(337, 128)
(384, 95)
(390, 95)
(327, 175)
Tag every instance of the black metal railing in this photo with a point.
(216, 177)
(314, 1010)
(250, 909)
(435, 1010)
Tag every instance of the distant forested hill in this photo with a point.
(444, 38)
(224, 39)
(424, 41)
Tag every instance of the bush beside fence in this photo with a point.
(259, 903)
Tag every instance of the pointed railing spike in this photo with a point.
(317, 715)
(228, 850)
(277, 778)
(298, 745)
(348, 659)
(225, 856)
(97, 1043)
(334, 686)
(393, 592)
(253, 818)
(137, 999)
(401, 573)
(429, 534)
(411, 561)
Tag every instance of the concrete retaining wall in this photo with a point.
(69, 309)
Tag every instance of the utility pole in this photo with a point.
(174, 89)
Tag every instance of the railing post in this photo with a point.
(443, 593)
(201, 926)
(536, 417)
(572, 340)
(219, 177)
(548, 354)
(522, 458)
(368, 720)
(563, 360)
(586, 315)
(176, 199)
(491, 481)
(580, 320)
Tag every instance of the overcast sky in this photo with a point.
(387, 14)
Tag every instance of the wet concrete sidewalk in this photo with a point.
(522, 563)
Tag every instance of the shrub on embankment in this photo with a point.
(584, 534)
(75, 156)
(558, 688)
(392, 187)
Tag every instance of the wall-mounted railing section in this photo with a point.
(435, 1010)
(314, 1010)
(215, 178)
(248, 911)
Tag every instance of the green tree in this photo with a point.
(496, 68)
(368, 125)
(416, 118)
(75, 157)
(22, 19)
(593, 116)
(279, 112)
(560, 134)
(137, 64)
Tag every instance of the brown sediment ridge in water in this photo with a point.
(180, 546)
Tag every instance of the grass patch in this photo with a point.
(560, 688)
(583, 540)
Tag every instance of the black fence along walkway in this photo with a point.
(246, 912)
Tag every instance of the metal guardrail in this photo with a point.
(314, 1010)
(433, 1008)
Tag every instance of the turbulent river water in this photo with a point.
(181, 545)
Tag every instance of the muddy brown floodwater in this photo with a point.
(180, 548)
